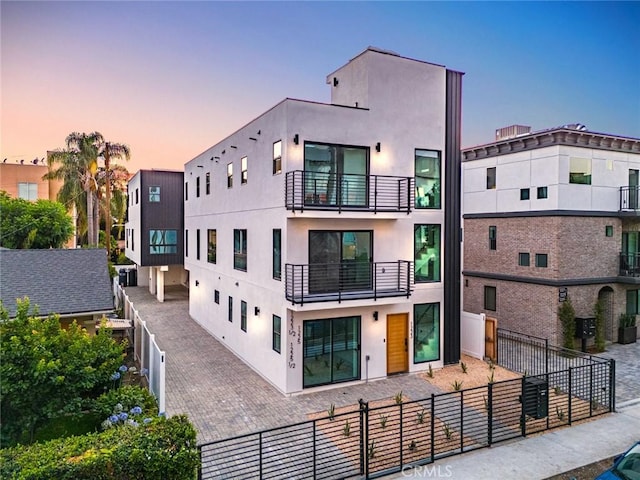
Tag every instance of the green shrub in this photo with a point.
(567, 316)
(165, 449)
(128, 396)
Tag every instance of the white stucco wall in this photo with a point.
(133, 221)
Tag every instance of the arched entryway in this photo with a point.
(605, 297)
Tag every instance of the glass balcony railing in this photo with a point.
(347, 280)
(349, 192)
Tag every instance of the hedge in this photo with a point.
(163, 449)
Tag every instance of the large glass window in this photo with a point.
(427, 173)
(426, 253)
(28, 191)
(212, 245)
(426, 332)
(276, 338)
(240, 249)
(277, 253)
(331, 351)
(340, 261)
(335, 175)
(154, 194)
(277, 157)
(580, 170)
(163, 241)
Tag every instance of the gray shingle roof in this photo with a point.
(72, 281)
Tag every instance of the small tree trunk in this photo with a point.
(90, 218)
(96, 219)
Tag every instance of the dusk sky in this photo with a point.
(171, 79)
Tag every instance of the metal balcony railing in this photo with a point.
(349, 192)
(347, 280)
(630, 198)
(630, 264)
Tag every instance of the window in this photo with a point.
(163, 241)
(230, 175)
(427, 177)
(335, 175)
(216, 296)
(137, 197)
(426, 253)
(207, 183)
(277, 253)
(277, 159)
(154, 194)
(277, 335)
(186, 243)
(243, 170)
(523, 259)
(331, 351)
(633, 302)
(490, 298)
(230, 313)
(243, 315)
(580, 170)
(542, 192)
(240, 249)
(197, 187)
(340, 261)
(198, 244)
(426, 328)
(493, 233)
(186, 190)
(126, 238)
(491, 178)
(28, 191)
(524, 194)
(212, 245)
(133, 239)
(608, 231)
(541, 260)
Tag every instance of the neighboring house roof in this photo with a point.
(68, 282)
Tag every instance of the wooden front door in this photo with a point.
(490, 335)
(397, 343)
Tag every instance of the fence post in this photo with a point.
(546, 355)
(591, 400)
(523, 416)
(260, 451)
(433, 426)
(490, 413)
(364, 438)
(570, 395)
(200, 462)
(314, 449)
(612, 385)
(461, 421)
(401, 434)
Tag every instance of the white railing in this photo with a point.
(145, 349)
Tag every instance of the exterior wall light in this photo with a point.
(375, 316)
(256, 311)
(378, 147)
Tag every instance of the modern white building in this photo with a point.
(322, 240)
(547, 215)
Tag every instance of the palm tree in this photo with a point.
(76, 167)
(110, 150)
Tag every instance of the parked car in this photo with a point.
(625, 466)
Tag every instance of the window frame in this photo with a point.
(427, 239)
(207, 183)
(433, 198)
(491, 178)
(576, 175)
(608, 230)
(244, 172)
(186, 191)
(240, 247)
(542, 193)
(230, 175)
(216, 296)
(490, 298)
(163, 247)
(28, 191)
(524, 259)
(277, 158)
(230, 309)
(437, 322)
(276, 267)
(493, 237)
(276, 335)
(539, 262)
(243, 316)
(154, 196)
(198, 187)
(525, 194)
(212, 246)
(198, 244)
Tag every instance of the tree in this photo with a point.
(77, 167)
(567, 316)
(40, 224)
(47, 371)
(598, 312)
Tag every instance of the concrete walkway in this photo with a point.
(224, 397)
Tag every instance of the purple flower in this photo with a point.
(115, 376)
(133, 423)
(144, 371)
(123, 368)
(114, 419)
(136, 410)
(147, 420)
(123, 416)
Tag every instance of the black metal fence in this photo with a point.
(383, 437)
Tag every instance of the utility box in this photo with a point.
(535, 397)
(585, 327)
(122, 277)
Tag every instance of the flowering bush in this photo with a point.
(125, 400)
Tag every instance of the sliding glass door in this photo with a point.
(331, 351)
(339, 261)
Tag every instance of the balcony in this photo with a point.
(330, 282)
(629, 265)
(630, 199)
(348, 192)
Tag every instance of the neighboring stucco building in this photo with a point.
(323, 239)
(73, 283)
(549, 214)
(154, 229)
